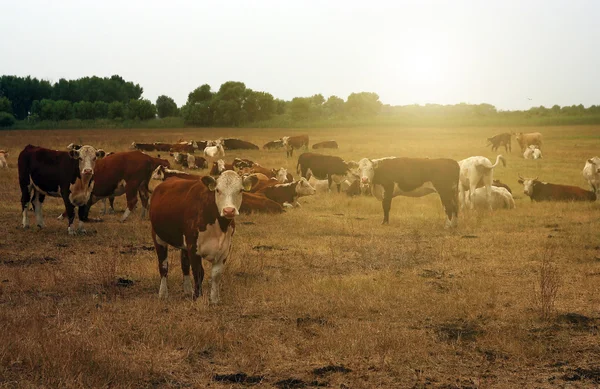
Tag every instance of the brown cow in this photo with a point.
(525, 140)
(44, 172)
(328, 144)
(196, 217)
(3, 156)
(189, 148)
(503, 139)
(411, 173)
(159, 146)
(543, 191)
(294, 142)
(288, 194)
(240, 163)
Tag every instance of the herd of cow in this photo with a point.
(196, 213)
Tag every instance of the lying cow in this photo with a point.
(500, 199)
(291, 143)
(143, 146)
(543, 191)
(189, 161)
(159, 146)
(410, 174)
(475, 171)
(274, 144)
(329, 167)
(525, 140)
(196, 217)
(216, 151)
(501, 140)
(288, 194)
(499, 184)
(532, 152)
(44, 172)
(219, 167)
(241, 163)
(238, 144)
(3, 155)
(328, 144)
(591, 173)
(188, 147)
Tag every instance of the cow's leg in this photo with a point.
(25, 200)
(162, 250)
(461, 194)
(215, 278)
(198, 274)
(70, 213)
(82, 214)
(488, 196)
(38, 199)
(388, 192)
(131, 190)
(144, 196)
(185, 269)
(111, 201)
(449, 198)
(339, 187)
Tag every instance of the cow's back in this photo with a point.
(47, 168)
(413, 172)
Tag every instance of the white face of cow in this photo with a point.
(304, 188)
(228, 188)
(281, 175)
(528, 184)
(366, 171)
(158, 173)
(87, 156)
(595, 162)
(284, 141)
(220, 166)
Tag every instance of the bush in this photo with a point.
(141, 110)
(116, 110)
(5, 105)
(165, 106)
(6, 119)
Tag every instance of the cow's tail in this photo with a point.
(499, 158)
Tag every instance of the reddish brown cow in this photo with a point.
(543, 191)
(196, 217)
(183, 148)
(125, 173)
(44, 172)
(162, 146)
(294, 142)
(288, 193)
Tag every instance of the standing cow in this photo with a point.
(196, 217)
(475, 172)
(292, 143)
(503, 139)
(329, 167)
(3, 156)
(591, 173)
(44, 172)
(525, 140)
(411, 173)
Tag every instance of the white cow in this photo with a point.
(3, 156)
(281, 175)
(501, 199)
(321, 186)
(366, 172)
(216, 151)
(591, 173)
(475, 172)
(532, 152)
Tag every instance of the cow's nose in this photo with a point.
(229, 212)
(87, 171)
(364, 180)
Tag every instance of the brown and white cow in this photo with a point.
(366, 172)
(240, 163)
(282, 175)
(291, 143)
(543, 191)
(44, 172)
(274, 144)
(238, 144)
(219, 167)
(525, 140)
(591, 173)
(329, 167)
(287, 194)
(143, 146)
(474, 172)
(503, 139)
(411, 173)
(188, 147)
(196, 217)
(3, 155)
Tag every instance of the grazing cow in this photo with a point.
(189, 148)
(329, 167)
(501, 199)
(532, 152)
(366, 172)
(159, 146)
(591, 173)
(3, 156)
(196, 217)
(241, 163)
(288, 194)
(219, 167)
(126, 173)
(294, 142)
(143, 146)
(213, 152)
(411, 173)
(501, 140)
(44, 172)
(476, 171)
(274, 144)
(525, 140)
(238, 144)
(328, 144)
(543, 191)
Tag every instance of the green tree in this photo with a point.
(334, 106)
(100, 110)
(299, 108)
(141, 109)
(84, 110)
(200, 94)
(363, 104)
(116, 110)
(197, 114)
(6, 105)
(6, 119)
(165, 106)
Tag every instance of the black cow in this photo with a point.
(238, 144)
(323, 167)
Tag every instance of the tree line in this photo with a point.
(30, 100)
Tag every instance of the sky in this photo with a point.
(512, 54)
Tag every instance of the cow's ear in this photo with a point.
(100, 153)
(210, 182)
(249, 181)
(375, 163)
(74, 154)
(589, 161)
(520, 181)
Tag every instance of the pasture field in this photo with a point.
(508, 299)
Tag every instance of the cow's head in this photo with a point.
(4, 153)
(366, 171)
(158, 173)
(228, 188)
(220, 166)
(177, 157)
(281, 174)
(528, 184)
(304, 188)
(86, 156)
(194, 144)
(284, 141)
(595, 162)
(133, 145)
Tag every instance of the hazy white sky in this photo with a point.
(500, 52)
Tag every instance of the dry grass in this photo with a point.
(404, 305)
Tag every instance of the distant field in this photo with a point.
(406, 305)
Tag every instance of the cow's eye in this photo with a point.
(218, 191)
(241, 190)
